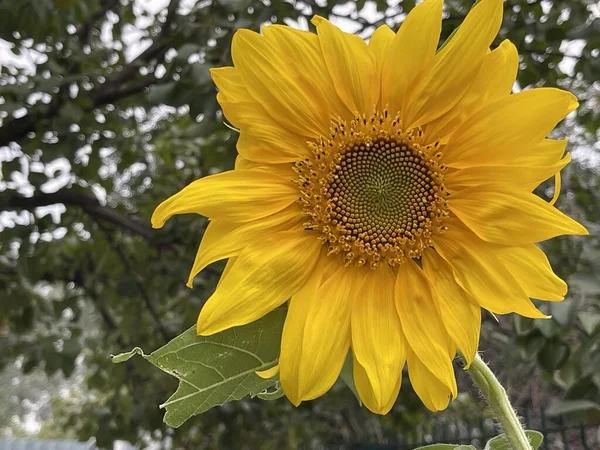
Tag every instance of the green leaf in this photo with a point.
(585, 282)
(523, 325)
(590, 322)
(553, 355)
(213, 370)
(122, 357)
(347, 375)
(500, 443)
(187, 50)
(272, 395)
(72, 112)
(571, 406)
(563, 312)
(446, 447)
(161, 93)
(535, 438)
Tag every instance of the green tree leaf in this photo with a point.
(446, 447)
(500, 443)
(122, 357)
(570, 406)
(272, 395)
(589, 321)
(347, 376)
(213, 370)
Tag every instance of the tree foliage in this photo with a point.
(107, 108)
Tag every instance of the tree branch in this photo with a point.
(107, 317)
(550, 53)
(142, 289)
(84, 31)
(118, 91)
(114, 89)
(88, 202)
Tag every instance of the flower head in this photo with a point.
(385, 191)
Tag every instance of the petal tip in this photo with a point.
(268, 373)
(583, 230)
(158, 219)
(317, 20)
(203, 328)
(294, 399)
(573, 103)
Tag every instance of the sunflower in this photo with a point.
(384, 190)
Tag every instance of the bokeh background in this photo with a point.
(107, 108)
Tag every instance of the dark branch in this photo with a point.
(139, 283)
(85, 201)
(550, 53)
(114, 89)
(79, 278)
(84, 31)
(156, 50)
(117, 92)
(108, 319)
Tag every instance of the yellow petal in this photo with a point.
(422, 324)
(230, 85)
(478, 270)
(527, 177)
(304, 50)
(244, 164)
(268, 373)
(531, 268)
(455, 65)
(316, 336)
(379, 45)
(507, 128)
(367, 395)
(290, 97)
(261, 137)
(232, 195)
(545, 153)
(224, 239)
(268, 146)
(228, 266)
(460, 313)
(410, 55)
(293, 333)
(497, 74)
(284, 170)
(377, 341)
(352, 67)
(434, 394)
(508, 216)
(494, 81)
(266, 274)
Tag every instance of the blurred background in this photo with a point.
(107, 108)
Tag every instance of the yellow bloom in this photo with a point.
(385, 190)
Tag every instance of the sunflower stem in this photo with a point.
(495, 394)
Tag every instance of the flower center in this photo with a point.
(373, 192)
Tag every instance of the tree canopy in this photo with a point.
(107, 108)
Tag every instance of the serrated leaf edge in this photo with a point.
(126, 356)
(212, 386)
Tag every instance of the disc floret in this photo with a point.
(373, 191)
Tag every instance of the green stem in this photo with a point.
(496, 396)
